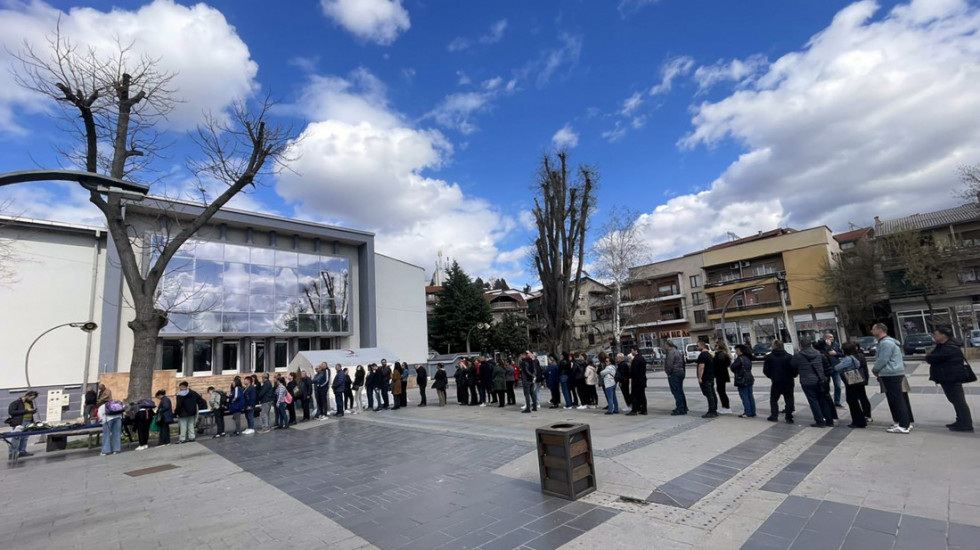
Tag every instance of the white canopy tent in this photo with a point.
(308, 360)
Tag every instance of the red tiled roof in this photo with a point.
(851, 236)
(779, 231)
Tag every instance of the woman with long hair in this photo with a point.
(396, 385)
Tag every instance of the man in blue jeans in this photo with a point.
(338, 385)
(835, 354)
(675, 371)
(21, 413)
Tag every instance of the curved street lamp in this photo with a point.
(724, 331)
(481, 326)
(85, 326)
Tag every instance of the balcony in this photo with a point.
(746, 307)
(745, 279)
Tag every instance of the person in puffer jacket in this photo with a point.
(809, 363)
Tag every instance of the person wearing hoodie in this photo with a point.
(266, 397)
(890, 370)
(778, 368)
(321, 389)
(809, 363)
(339, 385)
(552, 380)
(675, 371)
(947, 368)
(188, 403)
(608, 375)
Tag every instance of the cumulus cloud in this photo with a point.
(456, 111)
(736, 70)
(378, 21)
(872, 116)
(360, 148)
(213, 66)
(565, 138)
(493, 35)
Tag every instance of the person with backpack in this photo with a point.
(111, 414)
(854, 380)
(248, 395)
(142, 420)
(236, 403)
(188, 403)
(218, 403)
(165, 417)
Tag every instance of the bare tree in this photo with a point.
(113, 105)
(920, 261)
(970, 176)
(620, 247)
(853, 280)
(562, 209)
(8, 256)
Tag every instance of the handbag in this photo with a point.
(967, 373)
(853, 377)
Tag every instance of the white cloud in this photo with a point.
(736, 70)
(671, 69)
(493, 35)
(456, 110)
(212, 64)
(493, 83)
(378, 21)
(551, 61)
(463, 80)
(565, 138)
(346, 162)
(631, 104)
(871, 117)
(618, 132)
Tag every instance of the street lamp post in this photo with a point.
(85, 326)
(480, 326)
(724, 332)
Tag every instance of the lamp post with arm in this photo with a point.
(85, 326)
(481, 326)
(724, 332)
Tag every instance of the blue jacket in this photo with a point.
(236, 401)
(250, 397)
(339, 382)
(551, 375)
(888, 361)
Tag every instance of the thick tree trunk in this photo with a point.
(146, 329)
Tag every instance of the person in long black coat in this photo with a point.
(623, 373)
(486, 378)
(462, 395)
(439, 383)
(778, 368)
(472, 381)
(421, 378)
(638, 384)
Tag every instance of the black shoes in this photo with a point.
(818, 425)
(528, 411)
(952, 428)
(709, 415)
(772, 419)
(631, 413)
(789, 420)
(676, 412)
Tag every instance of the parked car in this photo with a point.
(691, 353)
(975, 338)
(761, 350)
(868, 345)
(916, 343)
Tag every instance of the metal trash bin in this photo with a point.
(565, 460)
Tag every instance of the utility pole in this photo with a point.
(783, 288)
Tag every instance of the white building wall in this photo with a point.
(402, 320)
(52, 285)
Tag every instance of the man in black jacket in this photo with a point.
(623, 372)
(529, 377)
(188, 403)
(486, 381)
(306, 386)
(638, 384)
(421, 378)
(779, 369)
(384, 383)
(706, 379)
(946, 368)
(21, 413)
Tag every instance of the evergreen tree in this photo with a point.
(461, 307)
(509, 336)
(500, 284)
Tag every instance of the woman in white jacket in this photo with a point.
(608, 375)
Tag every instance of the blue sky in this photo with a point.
(425, 121)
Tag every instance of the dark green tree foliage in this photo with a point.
(500, 284)
(509, 336)
(460, 307)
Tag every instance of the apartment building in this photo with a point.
(666, 301)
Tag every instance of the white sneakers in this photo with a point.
(896, 429)
(142, 447)
(724, 411)
(249, 431)
(582, 407)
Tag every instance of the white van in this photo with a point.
(691, 353)
(975, 338)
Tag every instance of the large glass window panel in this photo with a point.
(281, 355)
(311, 261)
(285, 303)
(284, 258)
(234, 280)
(229, 357)
(286, 282)
(235, 303)
(202, 356)
(209, 321)
(178, 323)
(261, 323)
(261, 279)
(261, 303)
(208, 250)
(173, 355)
(237, 253)
(263, 256)
(307, 323)
(234, 322)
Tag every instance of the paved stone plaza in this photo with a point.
(466, 477)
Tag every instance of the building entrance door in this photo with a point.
(258, 356)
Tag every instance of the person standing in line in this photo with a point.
(947, 367)
(890, 370)
(422, 380)
(297, 394)
(675, 371)
(384, 383)
(809, 363)
(835, 354)
(623, 369)
(188, 403)
(103, 397)
(306, 396)
(472, 382)
(142, 421)
(348, 391)
(778, 368)
(854, 383)
(22, 411)
(529, 377)
(591, 383)
(721, 362)
(248, 395)
(439, 383)
(460, 377)
(266, 397)
(481, 390)
(358, 389)
(282, 399)
(511, 373)
(321, 388)
(111, 415)
(339, 385)
(638, 383)
(706, 379)
(396, 385)
(500, 384)
(215, 397)
(91, 396)
(744, 381)
(165, 417)
(565, 379)
(236, 404)
(369, 385)
(578, 374)
(486, 381)
(552, 379)
(608, 376)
